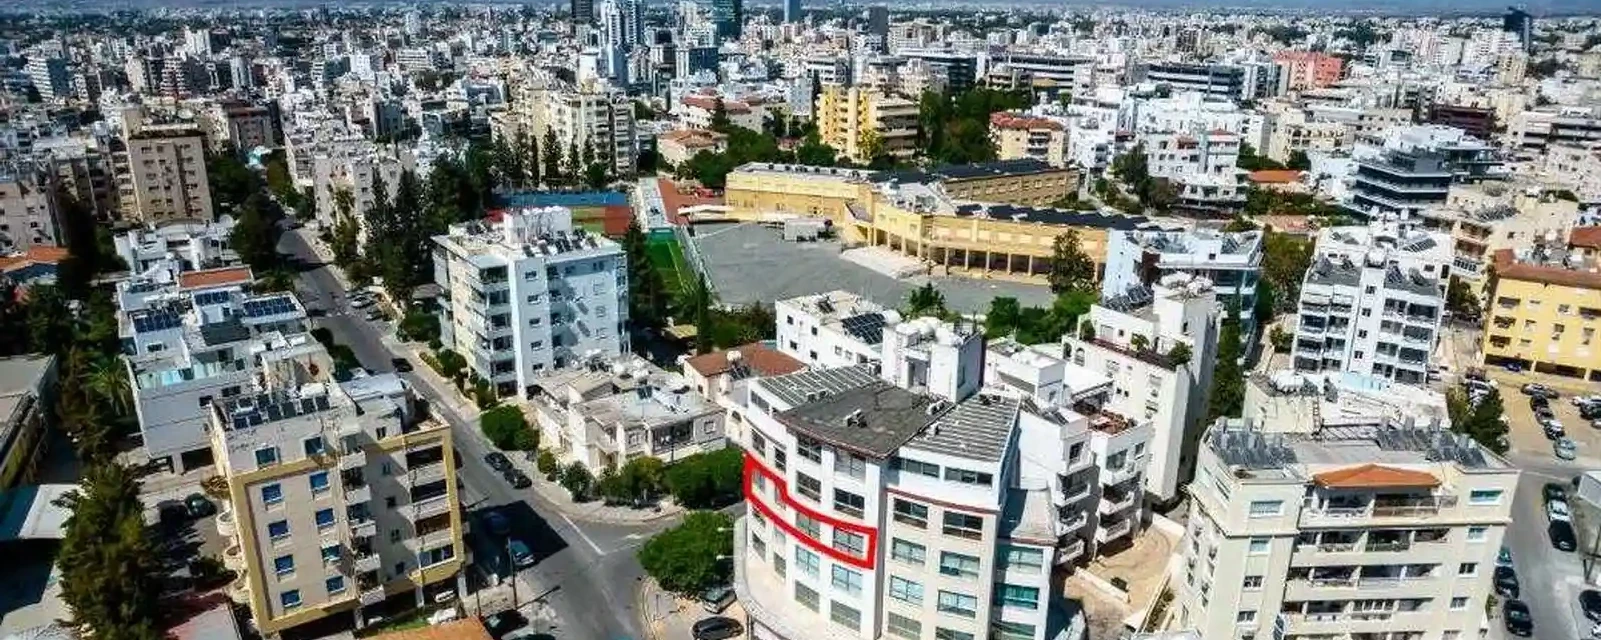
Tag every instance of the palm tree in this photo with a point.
(107, 379)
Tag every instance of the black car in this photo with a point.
(503, 623)
(1590, 602)
(198, 506)
(1506, 582)
(1562, 535)
(498, 461)
(172, 512)
(401, 365)
(517, 479)
(1518, 622)
(1554, 492)
(716, 628)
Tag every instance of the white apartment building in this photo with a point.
(530, 293)
(1139, 339)
(724, 377)
(833, 329)
(895, 504)
(1371, 303)
(1201, 165)
(178, 246)
(1369, 531)
(337, 499)
(1192, 111)
(1231, 261)
(348, 174)
(611, 411)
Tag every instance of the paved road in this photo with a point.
(586, 576)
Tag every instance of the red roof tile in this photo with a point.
(1274, 176)
(759, 357)
(1373, 476)
(215, 277)
(1585, 237)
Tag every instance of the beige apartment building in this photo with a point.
(590, 114)
(338, 499)
(848, 117)
(1358, 532)
(162, 175)
(1017, 136)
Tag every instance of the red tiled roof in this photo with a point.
(761, 359)
(1507, 267)
(215, 277)
(465, 629)
(1585, 237)
(709, 103)
(1014, 121)
(1373, 476)
(1274, 176)
(34, 255)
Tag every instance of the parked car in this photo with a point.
(717, 628)
(198, 506)
(401, 365)
(517, 479)
(1506, 582)
(1536, 389)
(1518, 621)
(521, 557)
(1558, 510)
(375, 314)
(498, 523)
(360, 303)
(716, 599)
(1553, 429)
(498, 461)
(1503, 558)
(172, 512)
(1590, 603)
(1561, 534)
(1565, 449)
(503, 623)
(1554, 492)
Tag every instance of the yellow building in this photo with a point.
(852, 120)
(1544, 317)
(1018, 136)
(920, 219)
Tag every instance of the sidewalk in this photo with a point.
(666, 616)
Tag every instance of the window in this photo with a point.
(958, 604)
(780, 459)
(1266, 508)
(847, 580)
(330, 554)
(1259, 546)
(809, 487)
(335, 584)
(1467, 569)
(1245, 617)
(315, 446)
(963, 525)
(902, 627)
(905, 590)
(779, 566)
(848, 503)
(806, 596)
(966, 476)
(278, 530)
(941, 633)
(1023, 560)
(807, 525)
(1001, 630)
(809, 449)
(758, 443)
(913, 466)
(325, 519)
(911, 513)
(1252, 583)
(283, 565)
(851, 543)
(845, 616)
(1483, 497)
(807, 561)
(319, 482)
(1477, 534)
(1011, 595)
(960, 565)
(266, 456)
(1458, 604)
(290, 599)
(757, 544)
(908, 552)
(272, 495)
(850, 464)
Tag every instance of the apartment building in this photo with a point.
(1534, 130)
(1309, 69)
(50, 75)
(678, 146)
(1415, 168)
(1202, 167)
(345, 180)
(1013, 70)
(1544, 308)
(896, 504)
(847, 118)
(697, 111)
(1372, 302)
(589, 114)
(164, 175)
(83, 168)
(178, 246)
(832, 329)
(610, 411)
(1386, 530)
(1483, 218)
(1574, 167)
(1232, 262)
(337, 499)
(27, 413)
(1295, 130)
(528, 294)
(244, 125)
(1018, 136)
(1157, 345)
(27, 210)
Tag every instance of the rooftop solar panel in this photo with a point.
(868, 327)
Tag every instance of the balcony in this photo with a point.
(1071, 495)
(1124, 473)
(1070, 552)
(1383, 509)
(366, 560)
(354, 458)
(225, 522)
(372, 595)
(239, 589)
(1115, 501)
(234, 557)
(358, 493)
(430, 540)
(1118, 529)
(426, 508)
(426, 473)
(1071, 523)
(363, 528)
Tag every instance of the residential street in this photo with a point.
(586, 576)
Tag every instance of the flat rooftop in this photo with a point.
(874, 420)
(792, 389)
(1291, 456)
(977, 428)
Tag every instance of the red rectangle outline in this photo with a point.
(753, 466)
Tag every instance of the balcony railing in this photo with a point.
(362, 528)
(1072, 551)
(427, 508)
(367, 561)
(355, 458)
(358, 493)
(372, 595)
(1113, 531)
(1071, 523)
(1112, 502)
(426, 473)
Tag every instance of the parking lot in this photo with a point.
(1527, 436)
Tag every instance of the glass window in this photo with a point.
(806, 596)
(266, 456)
(780, 459)
(272, 494)
(914, 466)
(319, 482)
(809, 487)
(963, 525)
(1245, 617)
(758, 443)
(1001, 630)
(315, 446)
(958, 604)
(850, 464)
(902, 627)
(1467, 569)
(966, 476)
(335, 584)
(908, 552)
(290, 599)
(848, 503)
(911, 513)
(808, 525)
(851, 543)
(905, 590)
(844, 616)
(1458, 604)
(1251, 583)
(1011, 595)
(941, 633)
(847, 580)
(283, 565)
(1258, 546)
(1484, 496)
(330, 553)
(958, 564)
(1477, 534)
(1266, 508)
(1023, 559)
(807, 561)
(278, 530)
(809, 449)
(325, 519)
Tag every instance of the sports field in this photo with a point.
(668, 259)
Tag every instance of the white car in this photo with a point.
(1557, 510)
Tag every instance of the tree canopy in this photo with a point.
(693, 556)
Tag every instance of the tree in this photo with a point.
(1460, 299)
(1285, 259)
(1003, 317)
(1298, 161)
(1139, 343)
(1179, 355)
(551, 150)
(50, 323)
(110, 571)
(870, 148)
(691, 557)
(706, 480)
(1483, 421)
(577, 480)
(1281, 339)
(719, 121)
(229, 180)
(647, 294)
(547, 464)
(256, 232)
(596, 176)
(419, 326)
(925, 301)
(508, 430)
(1070, 267)
(701, 307)
(1228, 379)
(107, 381)
(1249, 161)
